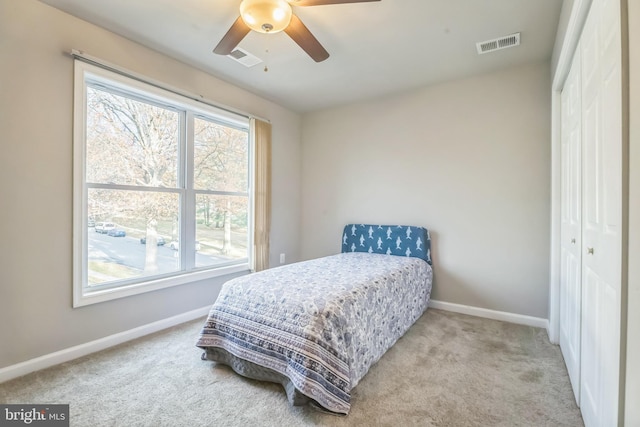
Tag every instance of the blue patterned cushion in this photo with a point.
(401, 240)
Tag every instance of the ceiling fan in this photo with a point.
(272, 16)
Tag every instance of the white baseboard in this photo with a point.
(520, 319)
(48, 360)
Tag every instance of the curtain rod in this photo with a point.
(82, 56)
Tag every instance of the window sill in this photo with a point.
(86, 296)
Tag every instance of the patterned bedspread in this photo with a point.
(321, 323)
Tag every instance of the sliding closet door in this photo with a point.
(601, 215)
(570, 226)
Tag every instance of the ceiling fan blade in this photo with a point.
(324, 2)
(233, 37)
(301, 35)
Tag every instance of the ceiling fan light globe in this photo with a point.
(279, 14)
(266, 16)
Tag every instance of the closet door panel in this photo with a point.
(601, 219)
(591, 337)
(610, 259)
(570, 226)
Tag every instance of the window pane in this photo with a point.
(130, 142)
(221, 157)
(123, 227)
(221, 229)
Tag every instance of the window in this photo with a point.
(162, 188)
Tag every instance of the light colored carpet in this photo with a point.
(448, 370)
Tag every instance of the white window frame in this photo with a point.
(84, 295)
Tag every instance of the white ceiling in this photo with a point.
(376, 48)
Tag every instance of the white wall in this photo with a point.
(632, 409)
(468, 159)
(36, 78)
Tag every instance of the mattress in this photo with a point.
(317, 325)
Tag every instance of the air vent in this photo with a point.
(245, 58)
(499, 43)
(237, 54)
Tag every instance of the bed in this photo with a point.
(317, 326)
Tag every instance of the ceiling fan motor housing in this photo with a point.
(266, 16)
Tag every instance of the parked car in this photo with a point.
(116, 232)
(159, 240)
(175, 245)
(104, 227)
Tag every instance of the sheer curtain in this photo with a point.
(261, 132)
